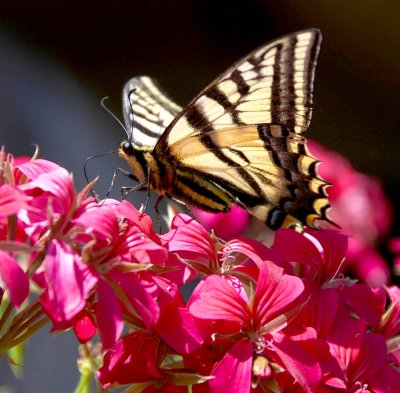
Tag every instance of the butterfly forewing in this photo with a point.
(147, 111)
(272, 85)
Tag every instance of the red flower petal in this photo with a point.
(275, 294)
(85, 328)
(218, 300)
(233, 372)
(68, 282)
(108, 315)
(178, 328)
(12, 200)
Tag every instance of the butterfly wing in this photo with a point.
(147, 111)
(241, 134)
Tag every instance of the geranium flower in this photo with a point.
(362, 357)
(142, 359)
(259, 319)
(204, 252)
(256, 327)
(320, 255)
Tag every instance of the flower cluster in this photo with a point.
(185, 311)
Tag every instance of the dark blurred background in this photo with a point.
(59, 58)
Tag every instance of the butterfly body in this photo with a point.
(173, 180)
(238, 141)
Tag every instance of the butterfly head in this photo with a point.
(134, 155)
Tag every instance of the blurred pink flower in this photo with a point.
(225, 225)
(361, 209)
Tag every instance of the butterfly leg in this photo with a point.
(124, 190)
(148, 190)
(160, 198)
(189, 211)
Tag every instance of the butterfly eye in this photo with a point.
(127, 148)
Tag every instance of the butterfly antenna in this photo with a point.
(104, 106)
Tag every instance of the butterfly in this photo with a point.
(238, 141)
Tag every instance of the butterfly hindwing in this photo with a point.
(147, 111)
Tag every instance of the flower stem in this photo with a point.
(23, 337)
(23, 325)
(6, 315)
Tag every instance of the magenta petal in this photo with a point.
(85, 328)
(275, 294)
(142, 294)
(33, 169)
(291, 246)
(189, 239)
(386, 380)
(370, 359)
(320, 311)
(108, 315)
(101, 220)
(334, 246)
(366, 302)
(220, 301)
(177, 328)
(14, 278)
(301, 365)
(12, 200)
(225, 225)
(233, 372)
(68, 282)
(59, 184)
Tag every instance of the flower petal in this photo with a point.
(218, 300)
(68, 282)
(85, 328)
(276, 294)
(108, 315)
(177, 327)
(233, 372)
(12, 200)
(33, 168)
(300, 364)
(14, 278)
(189, 239)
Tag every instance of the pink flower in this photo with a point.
(12, 200)
(138, 358)
(203, 252)
(390, 324)
(320, 255)
(225, 225)
(132, 359)
(257, 323)
(362, 357)
(259, 319)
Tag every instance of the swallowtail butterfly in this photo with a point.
(238, 141)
